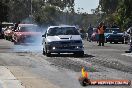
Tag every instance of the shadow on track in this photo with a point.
(71, 55)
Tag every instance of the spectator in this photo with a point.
(0, 29)
(101, 30)
(16, 25)
(90, 32)
(129, 31)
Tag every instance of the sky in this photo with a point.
(87, 5)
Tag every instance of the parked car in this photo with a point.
(114, 35)
(4, 26)
(116, 38)
(8, 32)
(62, 39)
(113, 30)
(26, 33)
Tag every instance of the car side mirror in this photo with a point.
(44, 35)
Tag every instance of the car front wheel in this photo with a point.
(43, 52)
(79, 54)
(47, 53)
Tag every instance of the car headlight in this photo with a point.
(54, 48)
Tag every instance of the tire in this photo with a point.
(79, 54)
(46, 53)
(87, 38)
(116, 42)
(43, 52)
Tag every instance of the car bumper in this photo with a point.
(64, 49)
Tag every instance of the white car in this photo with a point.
(62, 39)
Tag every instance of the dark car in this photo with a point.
(116, 38)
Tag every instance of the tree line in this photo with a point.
(40, 10)
(43, 12)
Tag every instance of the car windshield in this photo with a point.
(29, 29)
(110, 30)
(63, 31)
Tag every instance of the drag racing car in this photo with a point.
(26, 33)
(62, 39)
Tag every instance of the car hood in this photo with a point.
(28, 33)
(63, 38)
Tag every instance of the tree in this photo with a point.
(108, 6)
(19, 10)
(124, 17)
(3, 11)
(46, 15)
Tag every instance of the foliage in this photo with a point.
(3, 11)
(108, 6)
(117, 11)
(43, 12)
(46, 15)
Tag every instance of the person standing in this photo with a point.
(1, 30)
(90, 32)
(129, 31)
(16, 25)
(101, 30)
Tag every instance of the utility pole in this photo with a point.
(31, 12)
(31, 9)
